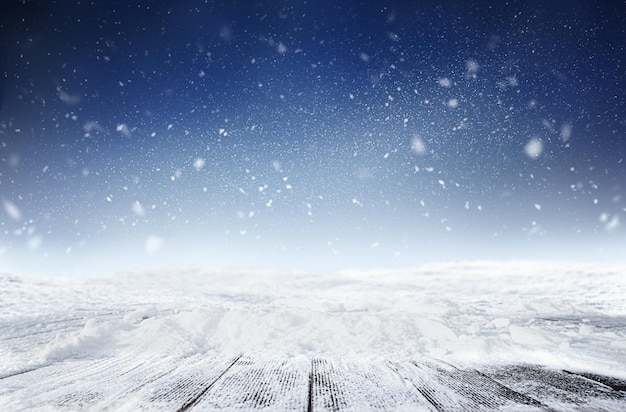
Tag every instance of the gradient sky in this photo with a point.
(313, 135)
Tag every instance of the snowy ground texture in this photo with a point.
(517, 335)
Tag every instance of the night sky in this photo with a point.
(310, 135)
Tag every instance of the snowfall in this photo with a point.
(560, 315)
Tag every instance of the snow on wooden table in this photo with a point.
(214, 382)
(471, 336)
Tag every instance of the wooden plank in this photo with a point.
(449, 388)
(23, 371)
(559, 390)
(118, 381)
(84, 383)
(48, 377)
(182, 388)
(614, 383)
(354, 386)
(26, 390)
(268, 384)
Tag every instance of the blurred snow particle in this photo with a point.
(281, 48)
(374, 245)
(123, 129)
(548, 124)
(610, 223)
(417, 145)
(138, 209)
(226, 33)
(510, 81)
(69, 99)
(153, 244)
(177, 175)
(452, 103)
(364, 57)
(537, 206)
(199, 163)
(472, 68)
(34, 243)
(533, 148)
(12, 210)
(93, 126)
(566, 132)
(444, 82)
(613, 224)
(14, 160)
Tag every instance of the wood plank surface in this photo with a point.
(268, 384)
(206, 382)
(560, 390)
(357, 386)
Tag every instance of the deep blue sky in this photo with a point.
(310, 135)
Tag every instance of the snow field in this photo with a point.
(565, 316)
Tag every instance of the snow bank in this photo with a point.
(92, 338)
(558, 315)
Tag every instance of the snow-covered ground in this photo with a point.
(561, 315)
